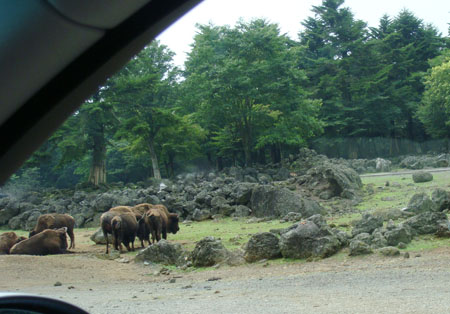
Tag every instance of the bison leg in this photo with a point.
(106, 237)
(72, 238)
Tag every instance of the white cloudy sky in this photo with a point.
(289, 13)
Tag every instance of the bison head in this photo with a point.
(173, 223)
(62, 233)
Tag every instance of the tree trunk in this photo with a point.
(97, 173)
(154, 159)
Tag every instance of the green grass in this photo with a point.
(400, 190)
(233, 233)
(426, 242)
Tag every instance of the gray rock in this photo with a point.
(98, 238)
(441, 199)
(382, 165)
(162, 252)
(241, 211)
(208, 252)
(292, 216)
(400, 233)
(367, 224)
(358, 247)
(427, 222)
(336, 179)
(422, 176)
(273, 201)
(264, 245)
(364, 237)
(378, 240)
(389, 251)
(242, 193)
(201, 214)
(420, 203)
(8, 211)
(307, 239)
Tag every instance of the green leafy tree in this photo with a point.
(434, 111)
(242, 82)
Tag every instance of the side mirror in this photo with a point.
(32, 304)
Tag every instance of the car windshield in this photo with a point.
(257, 157)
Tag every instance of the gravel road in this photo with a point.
(371, 284)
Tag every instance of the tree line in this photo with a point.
(250, 94)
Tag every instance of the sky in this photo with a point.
(288, 14)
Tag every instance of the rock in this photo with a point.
(270, 201)
(264, 245)
(242, 193)
(420, 203)
(363, 237)
(282, 174)
(208, 252)
(386, 214)
(98, 237)
(293, 217)
(427, 222)
(422, 176)
(307, 239)
(358, 247)
(382, 165)
(367, 224)
(378, 240)
(201, 214)
(441, 199)
(241, 211)
(8, 211)
(389, 251)
(330, 180)
(162, 252)
(397, 235)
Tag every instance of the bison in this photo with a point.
(138, 211)
(124, 228)
(159, 214)
(46, 242)
(55, 221)
(153, 223)
(7, 241)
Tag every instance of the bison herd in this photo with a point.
(124, 223)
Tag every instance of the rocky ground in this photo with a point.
(340, 284)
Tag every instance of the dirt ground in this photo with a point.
(370, 284)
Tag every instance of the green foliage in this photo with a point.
(435, 109)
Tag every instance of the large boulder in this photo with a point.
(358, 247)
(382, 165)
(98, 238)
(329, 180)
(420, 203)
(400, 233)
(208, 252)
(264, 245)
(427, 222)
(242, 193)
(8, 209)
(162, 252)
(271, 201)
(441, 199)
(201, 214)
(422, 176)
(367, 224)
(309, 239)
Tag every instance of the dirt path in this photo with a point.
(403, 172)
(371, 284)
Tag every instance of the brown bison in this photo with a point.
(7, 241)
(55, 221)
(124, 228)
(138, 211)
(153, 223)
(157, 216)
(46, 242)
(105, 224)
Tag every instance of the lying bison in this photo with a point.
(46, 242)
(55, 221)
(159, 221)
(124, 228)
(7, 241)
